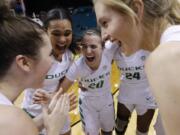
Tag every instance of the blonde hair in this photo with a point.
(157, 13)
(153, 9)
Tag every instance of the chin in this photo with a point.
(91, 64)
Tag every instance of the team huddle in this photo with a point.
(40, 59)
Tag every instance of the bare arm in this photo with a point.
(163, 72)
(14, 121)
(66, 84)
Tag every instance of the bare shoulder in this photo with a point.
(164, 54)
(14, 121)
(163, 71)
(163, 67)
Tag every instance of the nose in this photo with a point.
(62, 39)
(105, 36)
(89, 50)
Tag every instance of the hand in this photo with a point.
(55, 117)
(42, 97)
(73, 100)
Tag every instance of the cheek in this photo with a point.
(84, 52)
(53, 46)
(115, 31)
(46, 65)
(53, 41)
(98, 52)
(68, 41)
(44, 70)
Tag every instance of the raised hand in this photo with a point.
(56, 114)
(41, 96)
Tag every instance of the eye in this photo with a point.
(90, 46)
(93, 46)
(84, 46)
(57, 34)
(67, 33)
(104, 24)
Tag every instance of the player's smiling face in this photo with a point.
(92, 50)
(60, 33)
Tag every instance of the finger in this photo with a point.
(36, 102)
(58, 106)
(73, 102)
(67, 104)
(44, 111)
(72, 98)
(40, 91)
(54, 99)
(52, 103)
(41, 102)
(37, 94)
(71, 94)
(60, 92)
(63, 105)
(37, 98)
(72, 107)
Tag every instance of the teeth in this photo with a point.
(61, 45)
(89, 56)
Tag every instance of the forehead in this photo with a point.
(91, 39)
(60, 24)
(101, 9)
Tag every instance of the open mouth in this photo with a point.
(90, 58)
(61, 47)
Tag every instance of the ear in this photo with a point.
(23, 63)
(138, 7)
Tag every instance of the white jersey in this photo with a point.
(134, 87)
(4, 100)
(53, 77)
(96, 82)
(96, 103)
(172, 33)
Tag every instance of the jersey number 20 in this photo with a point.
(96, 85)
